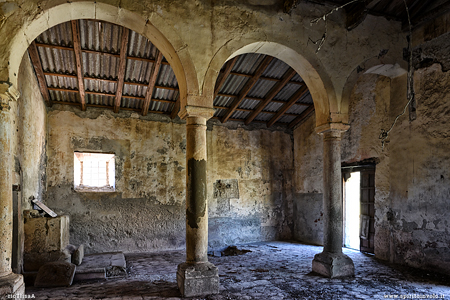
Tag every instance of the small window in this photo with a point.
(94, 172)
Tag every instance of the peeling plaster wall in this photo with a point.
(147, 211)
(412, 197)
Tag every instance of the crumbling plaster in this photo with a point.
(147, 211)
(197, 37)
(412, 197)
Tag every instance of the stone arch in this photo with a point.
(318, 82)
(158, 32)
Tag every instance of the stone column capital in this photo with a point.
(196, 112)
(333, 128)
(8, 93)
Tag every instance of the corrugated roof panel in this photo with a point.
(100, 66)
(287, 92)
(223, 101)
(248, 63)
(100, 36)
(249, 104)
(219, 112)
(286, 119)
(233, 84)
(165, 94)
(264, 117)
(307, 98)
(297, 109)
(166, 77)
(239, 114)
(140, 46)
(261, 88)
(160, 106)
(57, 60)
(64, 96)
(62, 82)
(134, 90)
(273, 106)
(100, 86)
(138, 70)
(131, 103)
(99, 100)
(60, 34)
(297, 78)
(276, 69)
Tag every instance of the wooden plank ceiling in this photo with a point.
(89, 63)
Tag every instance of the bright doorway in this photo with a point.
(352, 210)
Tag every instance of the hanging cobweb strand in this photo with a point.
(321, 41)
(410, 83)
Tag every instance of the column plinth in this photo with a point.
(10, 283)
(332, 262)
(196, 276)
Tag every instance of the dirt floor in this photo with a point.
(272, 270)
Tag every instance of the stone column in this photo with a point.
(332, 262)
(197, 276)
(10, 283)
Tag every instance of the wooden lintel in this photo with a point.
(248, 86)
(301, 91)
(223, 76)
(302, 116)
(37, 65)
(176, 108)
(77, 50)
(152, 82)
(122, 67)
(273, 92)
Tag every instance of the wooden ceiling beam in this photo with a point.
(176, 108)
(248, 86)
(273, 92)
(78, 59)
(107, 106)
(301, 117)
(37, 65)
(152, 82)
(223, 76)
(301, 91)
(122, 68)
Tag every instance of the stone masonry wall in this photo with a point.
(249, 184)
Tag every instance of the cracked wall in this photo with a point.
(147, 210)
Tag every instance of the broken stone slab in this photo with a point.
(32, 262)
(198, 279)
(114, 263)
(90, 274)
(233, 250)
(78, 255)
(54, 274)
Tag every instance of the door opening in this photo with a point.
(352, 210)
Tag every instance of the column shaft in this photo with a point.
(196, 204)
(332, 194)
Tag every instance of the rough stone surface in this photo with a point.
(333, 265)
(54, 274)
(114, 263)
(33, 261)
(11, 285)
(274, 271)
(198, 279)
(308, 218)
(78, 254)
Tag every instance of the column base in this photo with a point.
(198, 279)
(12, 285)
(333, 265)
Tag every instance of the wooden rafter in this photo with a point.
(248, 86)
(106, 106)
(77, 50)
(301, 117)
(223, 76)
(273, 92)
(176, 108)
(152, 82)
(36, 61)
(122, 66)
(301, 91)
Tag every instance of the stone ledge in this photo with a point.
(12, 284)
(333, 265)
(198, 279)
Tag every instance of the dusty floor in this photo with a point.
(275, 270)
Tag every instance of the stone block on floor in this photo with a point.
(198, 279)
(55, 274)
(77, 255)
(333, 265)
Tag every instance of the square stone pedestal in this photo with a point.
(333, 265)
(12, 286)
(198, 279)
